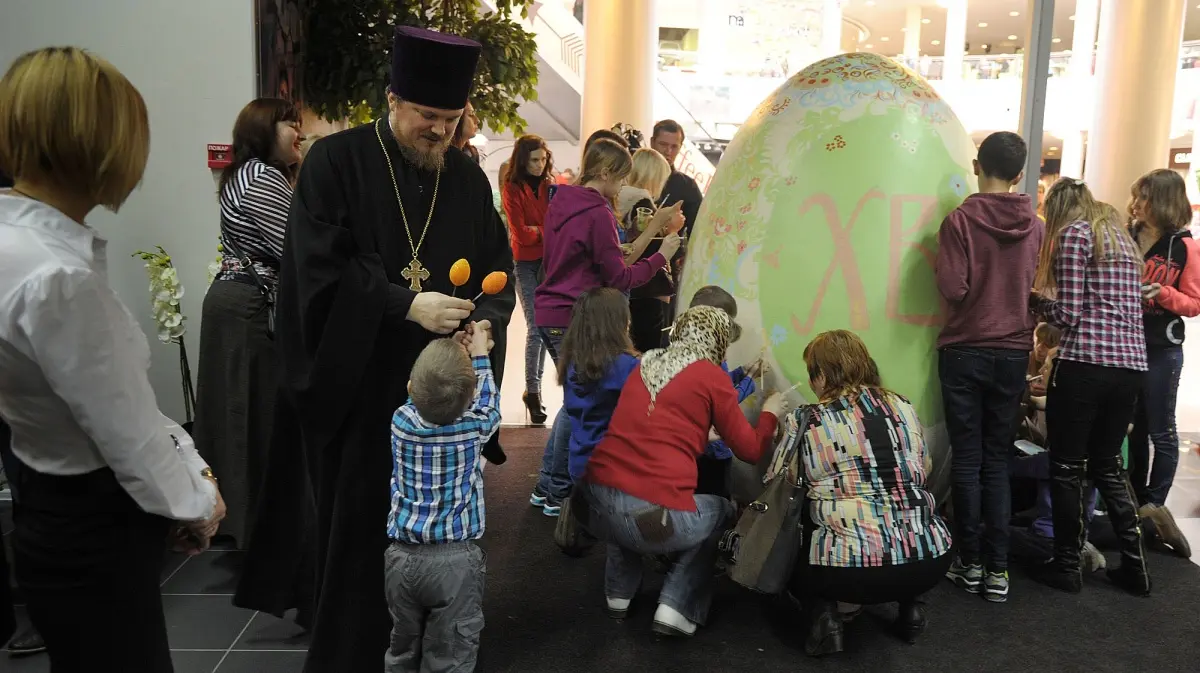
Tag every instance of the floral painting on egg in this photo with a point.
(823, 214)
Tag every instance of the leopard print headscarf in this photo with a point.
(700, 333)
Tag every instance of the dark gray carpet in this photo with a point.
(545, 613)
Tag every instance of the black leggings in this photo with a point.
(864, 586)
(869, 586)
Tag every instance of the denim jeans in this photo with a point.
(981, 392)
(535, 346)
(554, 480)
(626, 523)
(1154, 422)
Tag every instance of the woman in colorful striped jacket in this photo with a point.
(872, 534)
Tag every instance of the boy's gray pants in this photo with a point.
(435, 595)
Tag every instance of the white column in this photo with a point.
(831, 28)
(1079, 75)
(620, 64)
(1035, 75)
(714, 30)
(1192, 181)
(912, 33)
(1132, 123)
(956, 39)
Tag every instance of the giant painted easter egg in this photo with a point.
(823, 214)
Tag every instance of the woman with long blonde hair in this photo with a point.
(1160, 217)
(1089, 286)
(637, 201)
(102, 473)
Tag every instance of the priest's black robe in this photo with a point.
(346, 352)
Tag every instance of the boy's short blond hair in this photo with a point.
(72, 120)
(442, 382)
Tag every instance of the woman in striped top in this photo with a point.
(872, 533)
(236, 380)
(1089, 285)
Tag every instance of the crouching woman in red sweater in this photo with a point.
(640, 482)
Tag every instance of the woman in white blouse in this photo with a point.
(102, 474)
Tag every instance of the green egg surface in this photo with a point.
(823, 214)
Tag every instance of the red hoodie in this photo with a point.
(987, 256)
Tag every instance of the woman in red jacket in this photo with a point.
(525, 196)
(1161, 213)
(640, 482)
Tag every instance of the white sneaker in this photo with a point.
(617, 607)
(668, 622)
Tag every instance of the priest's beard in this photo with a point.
(426, 160)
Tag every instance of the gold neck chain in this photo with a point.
(416, 272)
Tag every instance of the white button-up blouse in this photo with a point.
(73, 367)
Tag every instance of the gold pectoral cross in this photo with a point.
(414, 273)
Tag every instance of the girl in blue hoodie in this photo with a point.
(597, 356)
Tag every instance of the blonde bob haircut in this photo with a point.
(71, 120)
(650, 171)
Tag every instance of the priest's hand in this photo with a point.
(439, 313)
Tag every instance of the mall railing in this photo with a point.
(979, 67)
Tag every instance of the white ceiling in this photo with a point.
(886, 19)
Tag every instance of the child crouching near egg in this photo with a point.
(713, 467)
(435, 572)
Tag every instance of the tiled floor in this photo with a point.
(207, 633)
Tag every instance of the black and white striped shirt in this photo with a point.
(254, 210)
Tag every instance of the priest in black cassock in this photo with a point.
(379, 215)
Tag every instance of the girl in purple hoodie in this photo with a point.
(580, 252)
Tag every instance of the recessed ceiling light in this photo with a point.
(885, 38)
(1012, 37)
(983, 46)
(1014, 14)
(983, 24)
(1053, 149)
(1056, 40)
(924, 20)
(868, 46)
(870, 3)
(936, 42)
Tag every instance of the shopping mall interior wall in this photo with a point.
(194, 64)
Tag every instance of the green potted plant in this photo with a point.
(345, 62)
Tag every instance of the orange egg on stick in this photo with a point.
(460, 273)
(493, 283)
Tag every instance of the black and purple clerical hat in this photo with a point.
(433, 69)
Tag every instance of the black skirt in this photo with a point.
(236, 389)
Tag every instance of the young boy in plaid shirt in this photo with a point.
(434, 570)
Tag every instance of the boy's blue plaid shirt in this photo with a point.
(437, 470)
(745, 388)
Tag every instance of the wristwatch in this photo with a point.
(207, 473)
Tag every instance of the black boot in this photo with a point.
(824, 630)
(1066, 499)
(533, 405)
(910, 620)
(1111, 481)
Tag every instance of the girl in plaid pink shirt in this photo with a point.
(1089, 286)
